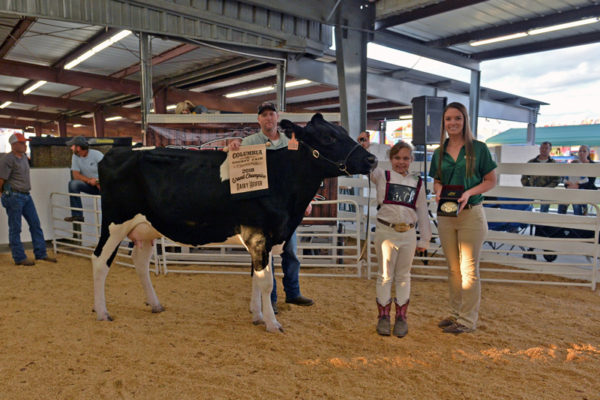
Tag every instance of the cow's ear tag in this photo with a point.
(293, 143)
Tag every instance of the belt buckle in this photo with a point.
(402, 227)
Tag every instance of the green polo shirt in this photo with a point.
(261, 138)
(455, 172)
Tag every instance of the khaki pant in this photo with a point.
(462, 238)
(395, 253)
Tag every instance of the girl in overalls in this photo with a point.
(402, 205)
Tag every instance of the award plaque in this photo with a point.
(448, 205)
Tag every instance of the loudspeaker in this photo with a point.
(427, 114)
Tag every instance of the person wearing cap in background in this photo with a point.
(270, 136)
(16, 184)
(84, 174)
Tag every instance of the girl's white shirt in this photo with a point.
(395, 213)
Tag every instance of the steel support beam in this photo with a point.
(316, 10)
(15, 34)
(474, 91)
(531, 126)
(160, 101)
(384, 87)
(280, 86)
(65, 104)
(99, 123)
(132, 69)
(353, 24)
(400, 42)
(75, 78)
(61, 125)
(146, 81)
(100, 82)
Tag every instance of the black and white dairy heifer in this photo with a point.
(179, 194)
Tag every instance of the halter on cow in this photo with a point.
(179, 194)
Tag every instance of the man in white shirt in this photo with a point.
(270, 136)
(84, 170)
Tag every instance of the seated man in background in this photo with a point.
(84, 173)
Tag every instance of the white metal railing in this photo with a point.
(326, 246)
(332, 246)
(574, 258)
(80, 238)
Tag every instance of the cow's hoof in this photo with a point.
(258, 319)
(157, 309)
(274, 327)
(105, 317)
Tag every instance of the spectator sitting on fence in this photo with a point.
(187, 107)
(542, 181)
(579, 182)
(84, 174)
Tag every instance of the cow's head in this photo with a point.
(332, 144)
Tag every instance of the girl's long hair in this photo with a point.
(467, 135)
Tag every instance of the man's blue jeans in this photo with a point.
(21, 205)
(77, 186)
(291, 269)
(578, 209)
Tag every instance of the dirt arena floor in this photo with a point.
(533, 342)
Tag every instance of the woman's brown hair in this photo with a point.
(467, 136)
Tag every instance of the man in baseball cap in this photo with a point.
(267, 105)
(15, 182)
(273, 140)
(78, 141)
(17, 137)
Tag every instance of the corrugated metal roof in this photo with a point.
(47, 41)
(491, 14)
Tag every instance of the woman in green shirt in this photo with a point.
(462, 160)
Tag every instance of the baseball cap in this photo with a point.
(17, 137)
(267, 105)
(77, 141)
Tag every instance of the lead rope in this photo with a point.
(366, 243)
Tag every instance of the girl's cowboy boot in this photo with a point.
(401, 326)
(383, 324)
